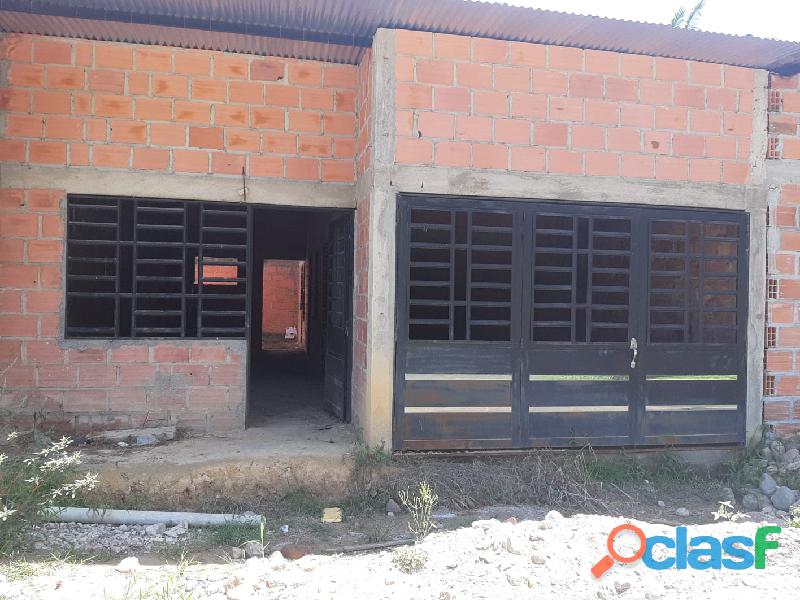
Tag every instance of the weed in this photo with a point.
(368, 501)
(301, 501)
(727, 512)
(420, 506)
(231, 534)
(378, 533)
(619, 471)
(745, 468)
(370, 456)
(409, 559)
(16, 570)
(795, 518)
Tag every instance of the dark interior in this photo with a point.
(290, 383)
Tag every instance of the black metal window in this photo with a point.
(693, 282)
(460, 275)
(141, 268)
(581, 278)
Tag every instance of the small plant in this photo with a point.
(795, 518)
(727, 512)
(29, 487)
(409, 559)
(420, 507)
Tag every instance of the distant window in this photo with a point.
(134, 267)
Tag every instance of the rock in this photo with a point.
(767, 484)
(511, 545)
(778, 449)
(661, 504)
(621, 587)
(511, 520)
(237, 553)
(147, 439)
(553, 515)
(252, 549)
(790, 467)
(156, 529)
(390, 514)
(128, 565)
(791, 455)
(160, 434)
(178, 530)
(295, 551)
(515, 579)
(683, 512)
(726, 495)
(766, 453)
(276, 558)
(537, 559)
(783, 498)
(393, 507)
(750, 502)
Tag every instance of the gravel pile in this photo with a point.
(114, 539)
(547, 558)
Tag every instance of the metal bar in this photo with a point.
(578, 409)
(555, 377)
(691, 377)
(456, 377)
(456, 409)
(690, 407)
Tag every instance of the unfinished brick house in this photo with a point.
(516, 228)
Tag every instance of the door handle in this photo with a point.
(635, 349)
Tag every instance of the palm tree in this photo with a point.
(681, 20)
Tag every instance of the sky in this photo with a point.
(777, 19)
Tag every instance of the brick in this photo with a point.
(621, 89)
(454, 154)
(98, 375)
(471, 128)
(550, 134)
(490, 103)
(585, 85)
(601, 164)
(549, 82)
(154, 109)
(192, 63)
(512, 131)
(489, 156)
(24, 126)
(137, 374)
(721, 98)
(451, 46)
(588, 136)
(231, 66)
(87, 355)
(56, 376)
(529, 105)
(50, 277)
(106, 81)
(70, 78)
(319, 99)
(192, 112)
(601, 112)
(564, 161)
(114, 56)
(338, 124)
(636, 165)
(231, 164)
(705, 73)
(704, 121)
(268, 118)
(209, 89)
(486, 50)
(280, 143)
(565, 58)
(11, 150)
(656, 142)
(267, 69)
(345, 100)
(242, 140)
(111, 156)
(134, 132)
(207, 354)
(249, 92)
(404, 68)
(342, 76)
(113, 106)
(16, 47)
(54, 153)
(434, 71)
(515, 79)
(81, 104)
(303, 168)
(42, 353)
(314, 145)
(153, 159)
(779, 410)
(738, 124)
(78, 155)
(338, 171)
(170, 86)
(15, 100)
(413, 151)
(676, 118)
(791, 149)
(126, 354)
(226, 375)
(153, 59)
(23, 75)
(566, 109)
(52, 226)
(473, 75)
(672, 69)
(10, 351)
(417, 43)
(790, 194)
(52, 102)
(64, 128)
(657, 93)
(670, 168)
(436, 125)
(704, 170)
(53, 52)
(170, 353)
(690, 95)
(739, 77)
(688, 145)
(44, 251)
(636, 115)
(231, 116)
(624, 138)
(12, 251)
(721, 147)
(305, 121)
(17, 376)
(162, 134)
(206, 137)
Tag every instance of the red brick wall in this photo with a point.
(281, 303)
(83, 385)
(782, 380)
(488, 104)
(153, 108)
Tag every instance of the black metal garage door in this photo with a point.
(524, 324)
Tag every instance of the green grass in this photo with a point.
(230, 534)
(300, 501)
(667, 470)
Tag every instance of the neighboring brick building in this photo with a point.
(510, 244)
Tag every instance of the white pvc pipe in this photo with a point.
(112, 516)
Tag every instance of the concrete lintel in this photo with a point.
(184, 187)
(526, 186)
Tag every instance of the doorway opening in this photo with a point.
(299, 357)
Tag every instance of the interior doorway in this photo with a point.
(300, 342)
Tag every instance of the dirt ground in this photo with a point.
(480, 554)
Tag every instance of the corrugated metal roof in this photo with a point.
(353, 22)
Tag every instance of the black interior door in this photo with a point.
(339, 264)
